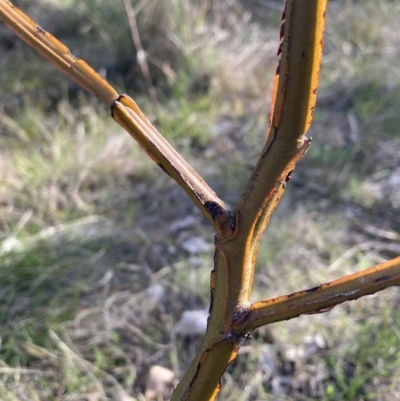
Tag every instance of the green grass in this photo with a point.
(92, 277)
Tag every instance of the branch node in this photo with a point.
(225, 221)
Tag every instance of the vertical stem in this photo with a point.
(235, 254)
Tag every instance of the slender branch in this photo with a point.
(322, 298)
(58, 54)
(293, 103)
(125, 112)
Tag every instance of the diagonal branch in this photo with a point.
(58, 54)
(125, 112)
(322, 298)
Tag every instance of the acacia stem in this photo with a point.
(321, 298)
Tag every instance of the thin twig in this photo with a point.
(140, 53)
(21, 371)
(83, 362)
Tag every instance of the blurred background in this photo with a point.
(102, 257)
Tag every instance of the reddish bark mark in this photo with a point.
(288, 176)
(383, 278)
(314, 289)
(322, 310)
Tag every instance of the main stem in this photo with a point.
(235, 253)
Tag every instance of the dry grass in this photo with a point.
(92, 285)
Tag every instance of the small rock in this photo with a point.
(192, 322)
(159, 383)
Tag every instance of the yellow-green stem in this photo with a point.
(235, 254)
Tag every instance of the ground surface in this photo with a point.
(100, 254)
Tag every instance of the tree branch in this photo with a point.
(58, 54)
(322, 298)
(293, 103)
(125, 112)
